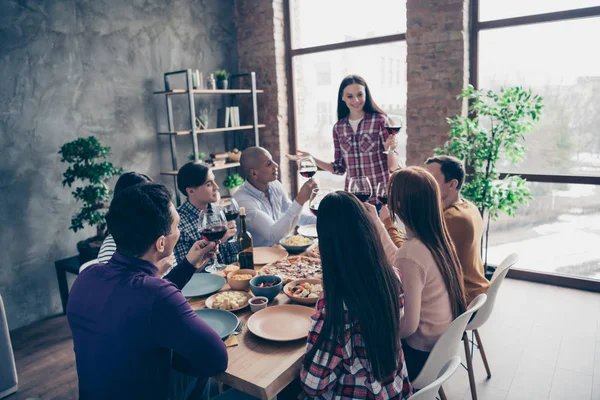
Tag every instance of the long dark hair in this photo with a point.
(356, 274)
(342, 109)
(414, 197)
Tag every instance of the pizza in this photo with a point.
(314, 252)
(294, 267)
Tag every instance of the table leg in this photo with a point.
(63, 287)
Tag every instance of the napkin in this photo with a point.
(231, 341)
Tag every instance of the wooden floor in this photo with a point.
(543, 342)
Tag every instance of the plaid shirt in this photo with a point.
(348, 374)
(361, 153)
(190, 233)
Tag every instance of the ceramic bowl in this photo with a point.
(302, 300)
(296, 249)
(254, 307)
(240, 284)
(268, 292)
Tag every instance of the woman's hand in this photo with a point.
(384, 213)
(299, 154)
(372, 211)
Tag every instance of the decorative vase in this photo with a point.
(88, 249)
(233, 190)
(222, 85)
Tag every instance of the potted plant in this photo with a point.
(494, 130)
(221, 77)
(201, 156)
(85, 156)
(233, 183)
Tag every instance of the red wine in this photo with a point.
(308, 173)
(215, 233)
(382, 199)
(363, 196)
(392, 130)
(232, 215)
(314, 211)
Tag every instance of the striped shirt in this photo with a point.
(107, 249)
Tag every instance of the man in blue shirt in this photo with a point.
(126, 321)
(270, 214)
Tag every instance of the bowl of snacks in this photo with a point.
(230, 300)
(304, 291)
(268, 286)
(296, 244)
(240, 279)
(230, 268)
(258, 303)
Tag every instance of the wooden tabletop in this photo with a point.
(259, 367)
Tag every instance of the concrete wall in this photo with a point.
(72, 69)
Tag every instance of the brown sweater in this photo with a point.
(465, 226)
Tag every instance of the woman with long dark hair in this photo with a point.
(359, 137)
(428, 263)
(354, 348)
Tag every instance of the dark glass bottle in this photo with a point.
(246, 255)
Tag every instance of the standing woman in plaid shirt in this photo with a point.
(354, 349)
(359, 137)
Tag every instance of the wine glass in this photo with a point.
(361, 188)
(213, 226)
(393, 129)
(381, 193)
(231, 209)
(315, 199)
(307, 167)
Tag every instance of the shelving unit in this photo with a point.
(194, 131)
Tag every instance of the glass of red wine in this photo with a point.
(213, 226)
(393, 129)
(307, 167)
(315, 199)
(361, 188)
(381, 193)
(231, 209)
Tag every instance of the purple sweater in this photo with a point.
(126, 323)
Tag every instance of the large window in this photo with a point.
(333, 39)
(551, 54)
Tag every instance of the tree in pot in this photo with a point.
(493, 133)
(221, 77)
(85, 155)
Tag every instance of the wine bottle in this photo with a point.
(246, 255)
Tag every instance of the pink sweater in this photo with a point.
(427, 310)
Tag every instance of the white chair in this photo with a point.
(430, 391)
(446, 347)
(87, 264)
(481, 318)
(8, 370)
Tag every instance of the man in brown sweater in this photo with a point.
(463, 221)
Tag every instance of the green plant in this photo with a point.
(85, 155)
(221, 75)
(233, 181)
(201, 156)
(495, 129)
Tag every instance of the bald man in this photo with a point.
(270, 215)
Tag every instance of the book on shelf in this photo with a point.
(223, 117)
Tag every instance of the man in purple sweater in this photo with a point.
(126, 321)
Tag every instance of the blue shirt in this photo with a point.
(190, 233)
(126, 323)
(270, 219)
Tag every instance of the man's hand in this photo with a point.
(165, 264)
(299, 154)
(201, 252)
(231, 231)
(306, 191)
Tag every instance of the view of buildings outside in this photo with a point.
(559, 230)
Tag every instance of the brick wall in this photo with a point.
(261, 48)
(437, 38)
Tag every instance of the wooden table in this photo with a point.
(261, 368)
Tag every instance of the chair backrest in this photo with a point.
(447, 345)
(430, 391)
(484, 314)
(87, 264)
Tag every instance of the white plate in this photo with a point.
(308, 230)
